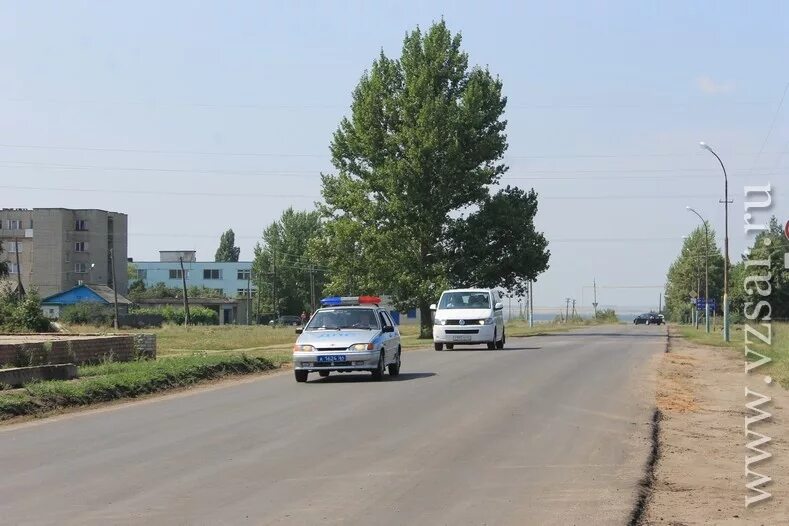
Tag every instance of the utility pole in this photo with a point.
(274, 285)
(573, 309)
(531, 303)
(249, 294)
(660, 303)
(114, 286)
(312, 289)
(594, 303)
(19, 288)
(186, 295)
(567, 310)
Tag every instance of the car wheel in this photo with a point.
(646, 322)
(394, 368)
(324, 374)
(450, 346)
(492, 345)
(378, 373)
(500, 344)
(301, 376)
(439, 346)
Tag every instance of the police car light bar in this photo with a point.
(335, 301)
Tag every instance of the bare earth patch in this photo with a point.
(700, 476)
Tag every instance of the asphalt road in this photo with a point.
(551, 430)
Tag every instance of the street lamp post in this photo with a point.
(725, 244)
(706, 270)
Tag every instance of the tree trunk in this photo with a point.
(425, 321)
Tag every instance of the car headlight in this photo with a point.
(303, 348)
(487, 321)
(362, 347)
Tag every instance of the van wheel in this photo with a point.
(500, 344)
(438, 346)
(301, 376)
(492, 345)
(450, 346)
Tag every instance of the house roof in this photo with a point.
(85, 293)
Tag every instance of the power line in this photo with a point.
(313, 196)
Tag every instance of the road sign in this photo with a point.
(786, 230)
(700, 303)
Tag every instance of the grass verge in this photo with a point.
(778, 350)
(116, 380)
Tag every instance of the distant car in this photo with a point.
(348, 334)
(649, 318)
(282, 321)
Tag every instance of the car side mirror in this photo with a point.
(299, 330)
(432, 306)
(388, 328)
(498, 306)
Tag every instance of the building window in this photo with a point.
(14, 224)
(13, 268)
(177, 273)
(81, 225)
(221, 292)
(244, 274)
(142, 274)
(80, 246)
(80, 268)
(212, 273)
(12, 247)
(242, 293)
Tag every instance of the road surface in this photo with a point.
(551, 430)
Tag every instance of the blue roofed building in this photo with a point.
(53, 305)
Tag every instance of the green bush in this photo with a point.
(21, 315)
(88, 313)
(197, 315)
(607, 315)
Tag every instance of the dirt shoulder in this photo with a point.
(699, 478)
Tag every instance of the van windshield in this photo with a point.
(465, 300)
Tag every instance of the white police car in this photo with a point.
(348, 334)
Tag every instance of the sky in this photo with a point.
(195, 117)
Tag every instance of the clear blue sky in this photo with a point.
(607, 103)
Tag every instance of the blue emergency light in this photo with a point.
(336, 301)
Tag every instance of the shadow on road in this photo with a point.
(367, 377)
(477, 349)
(660, 334)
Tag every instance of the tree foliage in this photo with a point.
(770, 244)
(685, 278)
(498, 245)
(138, 291)
(3, 263)
(21, 314)
(423, 143)
(227, 250)
(281, 267)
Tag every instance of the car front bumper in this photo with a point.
(354, 361)
(463, 334)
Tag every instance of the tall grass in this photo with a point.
(778, 351)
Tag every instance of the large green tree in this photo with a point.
(685, 279)
(227, 250)
(284, 274)
(423, 143)
(770, 244)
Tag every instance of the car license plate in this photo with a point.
(331, 358)
(461, 338)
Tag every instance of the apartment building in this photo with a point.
(230, 279)
(60, 248)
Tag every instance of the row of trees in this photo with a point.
(685, 278)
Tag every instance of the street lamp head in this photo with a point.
(704, 146)
(688, 208)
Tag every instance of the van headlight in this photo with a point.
(362, 347)
(487, 321)
(440, 322)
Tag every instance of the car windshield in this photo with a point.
(465, 300)
(343, 319)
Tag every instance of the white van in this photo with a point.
(468, 317)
